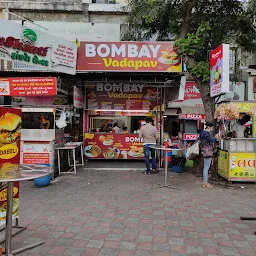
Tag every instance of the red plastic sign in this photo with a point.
(190, 136)
(128, 57)
(36, 158)
(28, 86)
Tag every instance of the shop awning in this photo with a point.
(171, 112)
(192, 110)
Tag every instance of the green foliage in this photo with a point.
(200, 70)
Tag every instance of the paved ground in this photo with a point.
(119, 213)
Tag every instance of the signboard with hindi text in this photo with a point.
(33, 47)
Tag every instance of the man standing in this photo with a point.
(148, 133)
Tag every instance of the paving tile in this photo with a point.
(95, 244)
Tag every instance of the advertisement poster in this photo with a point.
(219, 70)
(36, 158)
(128, 57)
(33, 47)
(36, 153)
(120, 96)
(113, 146)
(78, 98)
(10, 125)
(28, 86)
(242, 166)
(223, 164)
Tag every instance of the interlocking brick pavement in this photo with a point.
(119, 213)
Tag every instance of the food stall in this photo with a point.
(237, 156)
(123, 104)
(37, 136)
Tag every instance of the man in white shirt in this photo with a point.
(239, 127)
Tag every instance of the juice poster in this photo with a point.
(10, 126)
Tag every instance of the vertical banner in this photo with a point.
(78, 98)
(10, 126)
(219, 70)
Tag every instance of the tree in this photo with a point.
(198, 26)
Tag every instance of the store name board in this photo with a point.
(192, 116)
(121, 97)
(219, 70)
(29, 46)
(114, 87)
(28, 86)
(128, 56)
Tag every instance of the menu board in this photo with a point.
(113, 146)
(10, 120)
(121, 96)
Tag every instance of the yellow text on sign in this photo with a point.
(3, 193)
(8, 151)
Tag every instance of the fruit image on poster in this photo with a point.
(10, 126)
(242, 166)
(113, 146)
(219, 70)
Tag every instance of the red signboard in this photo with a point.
(128, 57)
(191, 91)
(195, 116)
(219, 70)
(36, 158)
(190, 136)
(113, 146)
(28, 86)
(120, 96)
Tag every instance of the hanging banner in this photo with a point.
(30, 46)
(28, 86)
(219, 70)
(10, 125)
(78, 98)
(120, 96)
(128, 57)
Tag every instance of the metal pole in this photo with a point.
(8, 234)
(165, 167)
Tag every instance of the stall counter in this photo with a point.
(237, 160)
(113, 146)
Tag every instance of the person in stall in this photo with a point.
(124, 129)
(116, 128)
(45, 123)
(239, 127)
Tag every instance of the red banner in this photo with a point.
(128, 56)
(121, 97)
(28, 86)
(36, 158)
(113, 146)
(190, 136)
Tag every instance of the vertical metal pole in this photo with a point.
(8, 234)
(165, 167)
(74, 158)
(58, 152)
(82, 154)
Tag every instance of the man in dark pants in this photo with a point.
(148, 133)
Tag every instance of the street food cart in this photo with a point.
(237, 156)
(112, 105)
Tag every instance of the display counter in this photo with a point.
(237, 159)
(113, 146)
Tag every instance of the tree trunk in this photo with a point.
(204, 88)
(186, 22)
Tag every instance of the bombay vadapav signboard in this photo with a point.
(128, 57)
(10, 126)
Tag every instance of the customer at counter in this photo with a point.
(239, 127)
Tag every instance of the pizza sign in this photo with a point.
(190, 136)
(195, 117)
